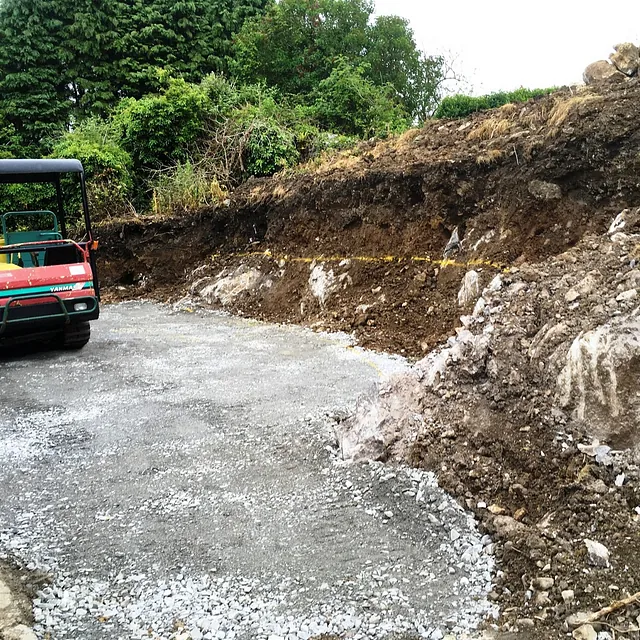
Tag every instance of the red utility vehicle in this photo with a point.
(48, 283)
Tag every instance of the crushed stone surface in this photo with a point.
(180, 478)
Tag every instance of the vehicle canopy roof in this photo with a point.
(15, 171)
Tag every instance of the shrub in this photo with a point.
(107, 168)
(348, 103)
(460, 106)
(161, 130)
(269, 148)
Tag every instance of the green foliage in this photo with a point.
(161, 130)
(297, 44)
(348, 102)
(33, 75)
(460, 106)
(294, 45)
(185, 187)
(64, 60)
(27, 197)
(270, 148)
(107, 168)
(394, 59)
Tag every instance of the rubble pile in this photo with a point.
(624, 63)
(529, 415)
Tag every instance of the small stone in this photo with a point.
(585, 632)
(454, 535)
(598, 554)
(497, 510)
(627, 296)
(545, 190)
(525, 623)
(5, 596)
(19, 632)
(568, 596)
(543, 584)
(578, 619)
(507, 527)
(571, 296)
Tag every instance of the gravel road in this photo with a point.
(178, 479)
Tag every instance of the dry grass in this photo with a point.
(489, 157)
(490, 128)
(563, 109)
(407, 138)
(508, 109)
(279, 191)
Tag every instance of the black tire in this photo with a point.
(76, 335)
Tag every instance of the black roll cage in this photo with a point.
(48, 172)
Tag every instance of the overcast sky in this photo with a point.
(505, 44)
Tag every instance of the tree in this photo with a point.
(348, 102)
(296, 43)
(64, 60)
(34, 78)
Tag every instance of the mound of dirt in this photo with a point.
(530, 416)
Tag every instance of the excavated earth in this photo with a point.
(524, 397)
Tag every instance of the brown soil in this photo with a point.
(401, 199)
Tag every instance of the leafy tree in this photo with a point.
(90, 41)
(295, 44)
(348, 102)
(34, 80)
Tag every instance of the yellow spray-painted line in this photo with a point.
(368, 259)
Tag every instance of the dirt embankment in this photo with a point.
(529, 411)
(390, 207)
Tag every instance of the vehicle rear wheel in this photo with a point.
(76, 335)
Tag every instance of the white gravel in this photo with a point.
(168, 509)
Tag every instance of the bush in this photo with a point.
(346, 102)
(460, 106)
(269, 148)
(161, 130)
(107, 168)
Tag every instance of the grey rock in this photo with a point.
(600, 71)
(543, 584)
(585, 632)
(545, 190)
(626, 58)
(578, 619)
(598, 554)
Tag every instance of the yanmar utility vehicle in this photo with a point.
(48, 283)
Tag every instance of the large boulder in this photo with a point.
(626, 59)
(600, 71)
(598, 383)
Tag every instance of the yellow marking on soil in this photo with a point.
(368, 259)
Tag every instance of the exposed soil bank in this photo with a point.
(403, 198)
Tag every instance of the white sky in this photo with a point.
(505, 44)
